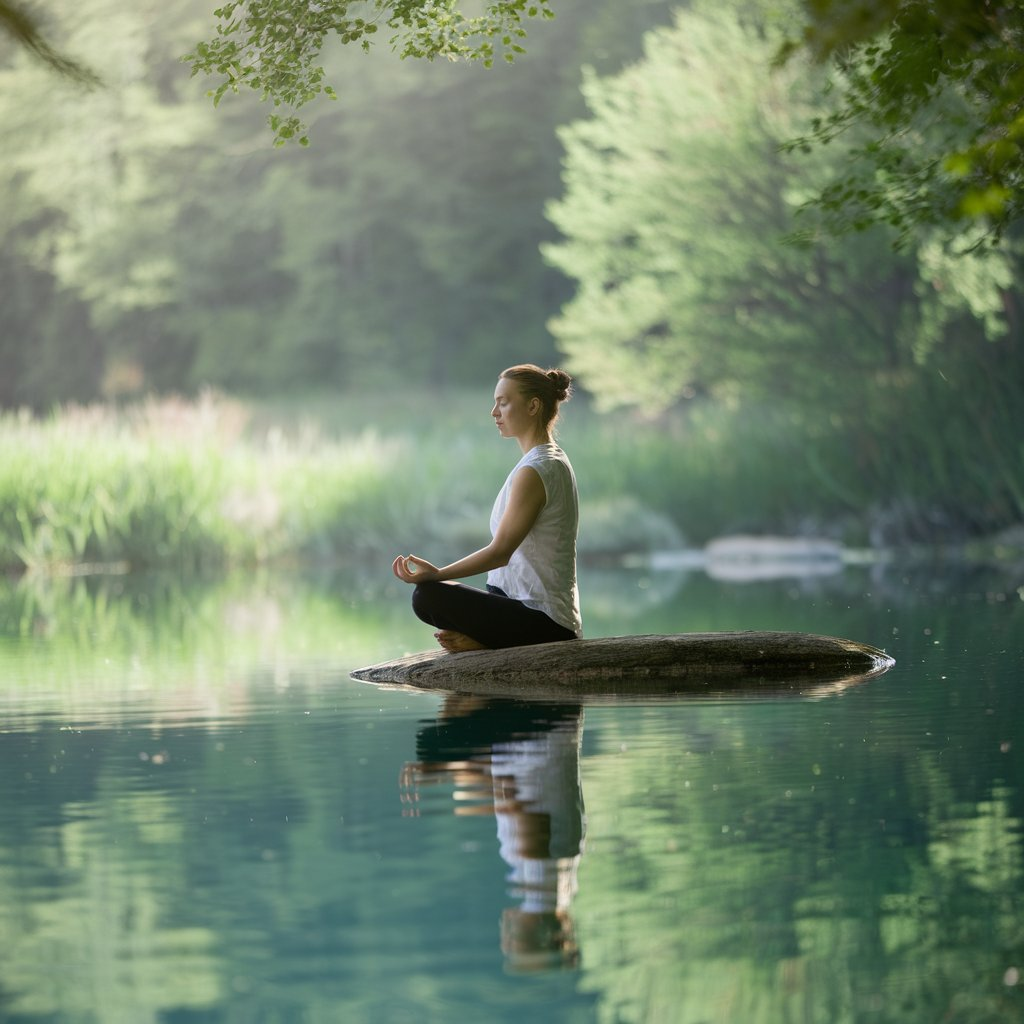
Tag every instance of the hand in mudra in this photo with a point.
(410, 569)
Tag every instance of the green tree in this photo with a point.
(938, 84)
(95, 177)
(677, 197)
(933, 93)
(935, 86)
(151, 242)
(274, 47)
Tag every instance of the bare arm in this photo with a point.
(525, 501)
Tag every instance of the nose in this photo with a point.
(494, 411)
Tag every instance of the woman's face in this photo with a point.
(512, 413)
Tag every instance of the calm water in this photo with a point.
(204, 819)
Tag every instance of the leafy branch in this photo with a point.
(931, 105)
(274, 46)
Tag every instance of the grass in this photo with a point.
(216, 482)
(201, 485)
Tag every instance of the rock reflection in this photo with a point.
(519, 762)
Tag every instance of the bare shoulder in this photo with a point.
(528, 478)
(528, 485)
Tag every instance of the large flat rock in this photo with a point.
(683, 663)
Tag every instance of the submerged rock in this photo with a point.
(692, 663)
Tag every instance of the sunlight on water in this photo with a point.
(205, 818)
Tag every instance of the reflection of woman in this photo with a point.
(521, 763)
(539, 806)
(531, 594)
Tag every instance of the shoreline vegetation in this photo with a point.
(216, 482)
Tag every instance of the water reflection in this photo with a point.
(199, 820)
(520, 763)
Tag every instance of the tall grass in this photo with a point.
(215, 482)
(69, 495)
(206, 484)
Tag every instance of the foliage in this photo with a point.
(674, 207)
(936, 85)
(677, 196)
(215, 484)
(931, 93)
(166, 483)
(274, 47)
(96, 184)
(169, 483)
(153, 243)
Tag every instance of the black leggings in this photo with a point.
(488, 616)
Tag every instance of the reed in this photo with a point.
(195, 485)
(214, 482)
(84, 487)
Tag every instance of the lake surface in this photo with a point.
(203, 818)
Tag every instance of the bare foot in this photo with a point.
(454, 642)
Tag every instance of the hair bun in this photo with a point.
(562, 383)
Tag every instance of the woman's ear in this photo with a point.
(534, 406)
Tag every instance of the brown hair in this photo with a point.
(551, 387)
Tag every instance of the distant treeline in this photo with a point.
(622, 199)
(149, 241)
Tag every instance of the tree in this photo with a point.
(932, 93)
(938, 85)
(946, 72)
(676, 199)
(161, 244)
(931, 89)
(677, 196)
(96, 178)
(274, 46)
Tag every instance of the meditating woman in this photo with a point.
(531, 595)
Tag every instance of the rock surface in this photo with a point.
(691, 663)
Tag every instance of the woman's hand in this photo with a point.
(525, 501)
(410, 569)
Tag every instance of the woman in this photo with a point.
(531, 595)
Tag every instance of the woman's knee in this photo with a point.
(424, 600)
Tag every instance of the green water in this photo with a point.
(203, 818)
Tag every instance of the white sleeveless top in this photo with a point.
(542, 570)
